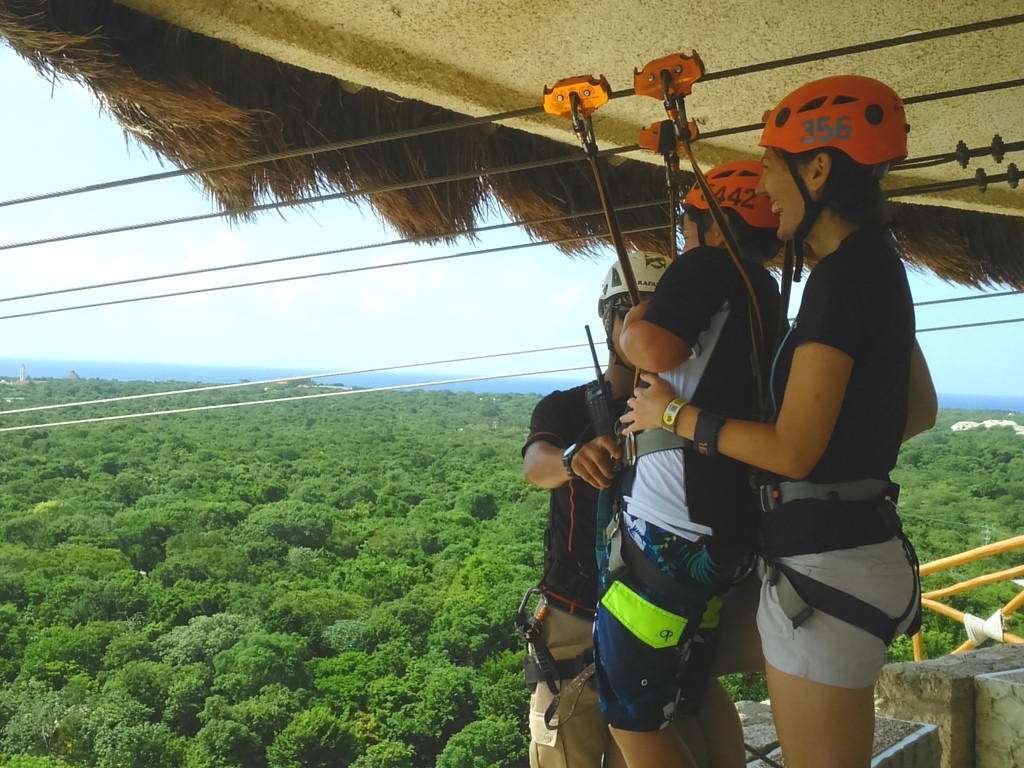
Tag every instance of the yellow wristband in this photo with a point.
(668, 418)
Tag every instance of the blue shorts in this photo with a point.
(643, 679)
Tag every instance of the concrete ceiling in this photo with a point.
(481, 57)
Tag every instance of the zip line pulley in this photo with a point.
(577, 98)
(671, 80)
(660, 138)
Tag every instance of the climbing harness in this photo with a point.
(540, 666)
(802, 517)
(651, 441)
(626, 557)
(527, 625)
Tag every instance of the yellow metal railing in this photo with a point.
(930, 599)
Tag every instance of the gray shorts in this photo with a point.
(826, 649)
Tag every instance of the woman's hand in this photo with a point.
(647, 405)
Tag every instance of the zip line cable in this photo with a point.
(335, 374)
(369, 268)
(962, 154)
(440, 382)
(327, 375)
(971, 90)
(344, 195)
(877, 45)
(221, 406)
(348, 270)
(527, 111)
(971, 325)
(394, 387)
(462, 176)
(349, 249)
(932, 302)
(122, 417)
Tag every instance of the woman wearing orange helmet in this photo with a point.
(848, 385)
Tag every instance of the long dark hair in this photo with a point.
(852, 191)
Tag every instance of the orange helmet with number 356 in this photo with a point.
(734, 185)
(859, 116)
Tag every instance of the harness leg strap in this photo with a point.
(795, 607)
(571, 690)
(835, 602)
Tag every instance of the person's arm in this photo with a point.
(795, 442)
(648, 346)
(922, 402)
(542, 465)
(594, 463)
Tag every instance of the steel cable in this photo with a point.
(334, 251)
(298, 377)
(296, 398)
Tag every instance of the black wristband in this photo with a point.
(705, 433)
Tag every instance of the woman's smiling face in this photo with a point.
(778, 184)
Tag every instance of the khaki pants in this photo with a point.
(582, 739)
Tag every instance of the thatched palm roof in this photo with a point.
(203, 103)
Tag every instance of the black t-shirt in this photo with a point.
(691, 292)
(570, 565)
(858, 301)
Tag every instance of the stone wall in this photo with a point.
(999, 715)
(944, 692)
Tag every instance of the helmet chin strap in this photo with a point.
(812, 210)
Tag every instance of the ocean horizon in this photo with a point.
(211, 374)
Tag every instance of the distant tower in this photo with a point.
(21, 374)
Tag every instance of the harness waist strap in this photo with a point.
(652, 441)
(864, 489)
(812, 525)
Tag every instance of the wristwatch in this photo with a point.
(567, 457)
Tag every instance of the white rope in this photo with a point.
(980, 630)
(97, 419)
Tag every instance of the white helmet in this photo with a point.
(648, 267)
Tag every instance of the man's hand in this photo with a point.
(598, 461)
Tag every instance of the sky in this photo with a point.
(56, 137)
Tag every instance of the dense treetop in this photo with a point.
(321, 582)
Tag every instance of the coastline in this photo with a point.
(207, 374)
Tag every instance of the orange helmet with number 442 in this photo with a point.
(859, 116)
(734, 185)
